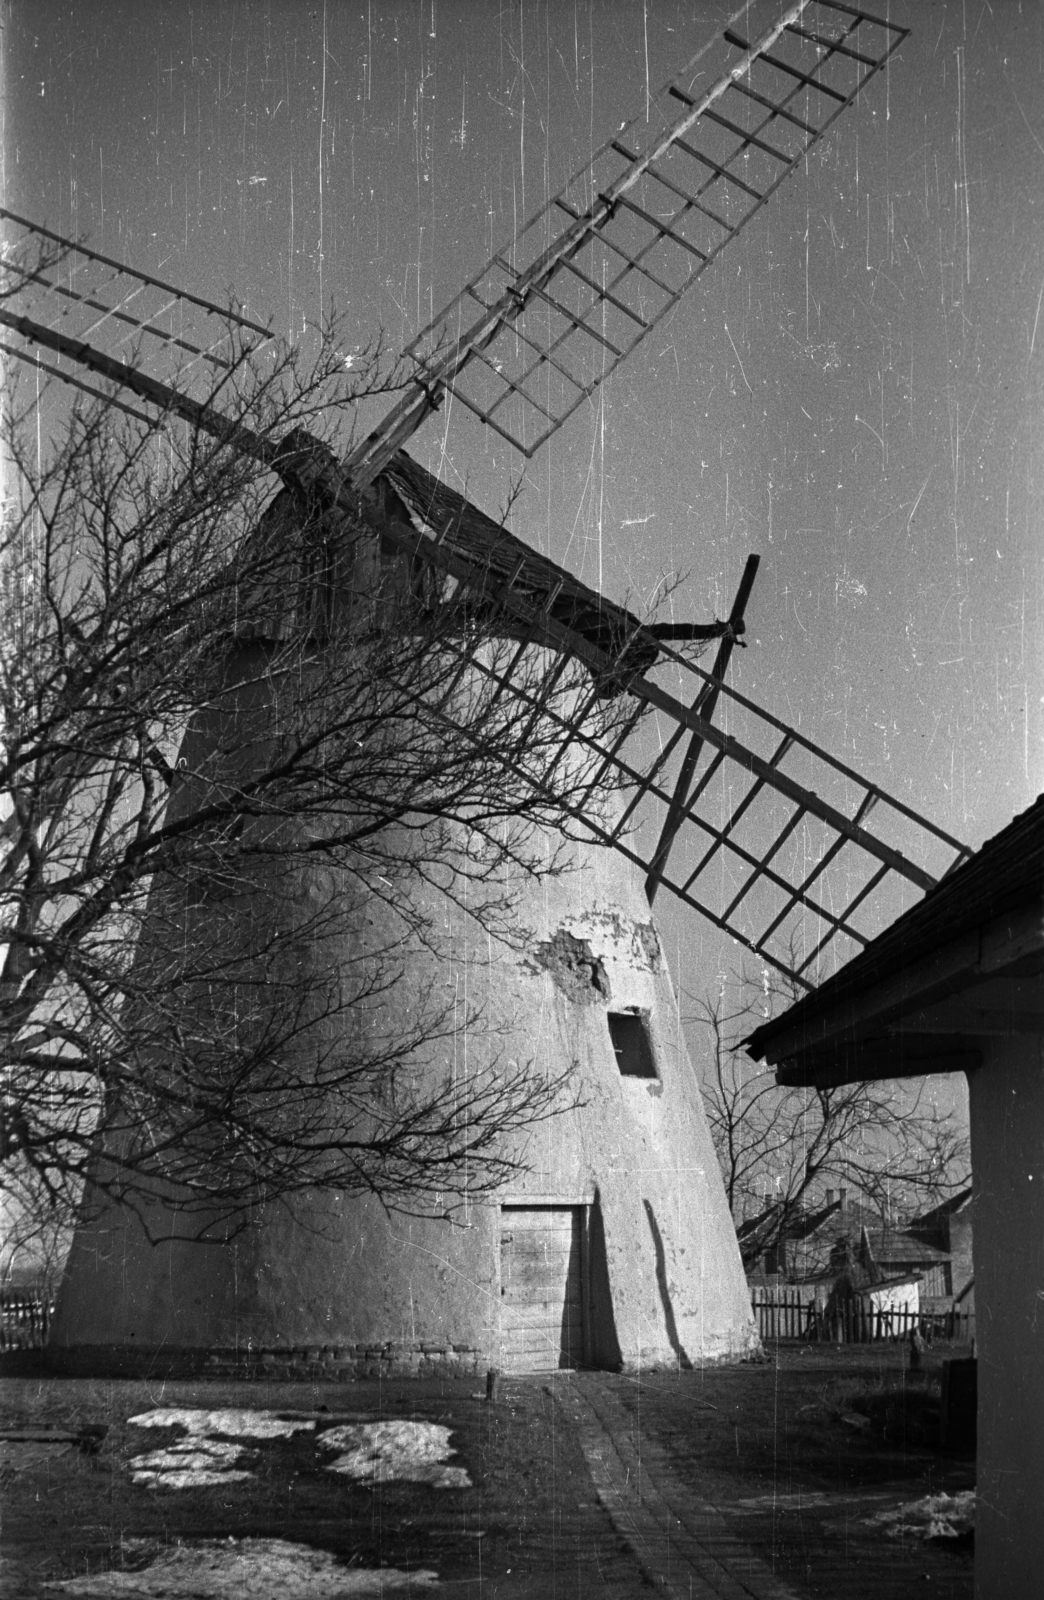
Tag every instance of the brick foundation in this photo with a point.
(311, 1363)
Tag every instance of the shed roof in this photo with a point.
(964, 961)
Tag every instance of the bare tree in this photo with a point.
(244, 765)
(891, 1147)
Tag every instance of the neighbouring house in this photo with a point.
(900, 1256)
(920, 1250)
(901, 1295)
(802, 1247)
(947, 1228)
(860, 1299)
(957, 984)
(786, 1253)
(846, 1293)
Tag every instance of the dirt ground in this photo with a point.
(785, 1451)
(803, 1475)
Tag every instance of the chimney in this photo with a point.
(830, 1197)
(842, 1195)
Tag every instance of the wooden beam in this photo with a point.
(998, 1021)
(871, 1059)
(703, 705)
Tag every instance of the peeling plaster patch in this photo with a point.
(647, 941)
(636, 942)
(264, 1569)
(937, 1516)
(381, 1452)
(238, 1423)
(574, 967)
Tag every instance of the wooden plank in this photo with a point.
(539, 1219)
(556, 1305)
(538, 1278)
(524, 1307)
(524, 1318)
(539, 1245)
(532, 1254)
(552, 1340)
(542, 1305)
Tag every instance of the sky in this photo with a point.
(856, 391)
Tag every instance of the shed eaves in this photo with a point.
(1005, 874)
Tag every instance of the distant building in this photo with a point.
(920, 1251)
(948, 1229)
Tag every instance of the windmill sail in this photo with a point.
(782, 846)
(531, 336)
(105, 326)
(786, 849)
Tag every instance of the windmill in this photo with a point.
(745, 821)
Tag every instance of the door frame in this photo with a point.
(548, 1202)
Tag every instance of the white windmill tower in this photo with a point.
(616, 1246)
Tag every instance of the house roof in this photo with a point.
(946, 1208)
(933, 1223)
(967, 957)
(902, 1248)
(801, 1224)
(851, 1219)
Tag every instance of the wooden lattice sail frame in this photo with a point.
(550, 317)
(772, 840)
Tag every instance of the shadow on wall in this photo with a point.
(603, 1345)
(661, 1282)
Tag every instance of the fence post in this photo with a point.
(24, 1320)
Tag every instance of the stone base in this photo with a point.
(312, 1363)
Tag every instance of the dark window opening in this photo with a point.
(630, 1039)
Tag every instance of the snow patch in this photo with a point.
(199, 1460)
(190, 1464)
(937, 1516)
(209, 1453)
(382, 1452)
(264, 1569)
(233, 1423)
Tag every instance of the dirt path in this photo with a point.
(793, 1474)
(682, 1541)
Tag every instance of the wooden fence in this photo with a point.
(787, 1314)
(25, 1316)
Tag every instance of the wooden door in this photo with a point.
(543, 1300)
